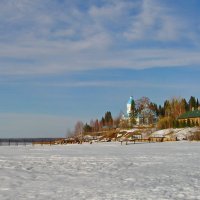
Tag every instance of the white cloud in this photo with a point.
(40, 39)
(155, 22)
(65, 33)
(62, 58)
(112, 11)
(119, 84)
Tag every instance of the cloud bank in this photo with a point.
(55, 37)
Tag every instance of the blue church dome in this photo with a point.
(130, 100)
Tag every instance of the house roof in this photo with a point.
(190, 114)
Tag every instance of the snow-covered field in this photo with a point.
(101, 171)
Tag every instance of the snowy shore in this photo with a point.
(101, 171)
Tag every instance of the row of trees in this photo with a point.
(95, 125)
(177, 106)
(168, 122)
(172, 109)
(167, 115)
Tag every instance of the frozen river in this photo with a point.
(101, 171)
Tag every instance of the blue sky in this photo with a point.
(63, 61)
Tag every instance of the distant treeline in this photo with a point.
(172, 109)
(167, 115)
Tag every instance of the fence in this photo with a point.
(26, 141)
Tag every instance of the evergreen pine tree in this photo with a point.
(186, 105)
(197, 103)
(108, 119)
(160, 111)
(192, 103)
(132, 119)
(132, 114)
(103, 121)
(133, 107)
(87, 128)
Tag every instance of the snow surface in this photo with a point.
(169, 170)
(179, 133)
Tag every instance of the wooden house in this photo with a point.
(193, 116)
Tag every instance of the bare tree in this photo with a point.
(78, 129)
(117, 119)
(69, 133)
(96, 125)
(142, 103)
(175, 107)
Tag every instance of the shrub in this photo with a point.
(165, 122)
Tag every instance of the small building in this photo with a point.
(193, 116)
(146, 117)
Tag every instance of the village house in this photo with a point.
(146, 117)
(193, 116)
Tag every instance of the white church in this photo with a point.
(145, 117)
